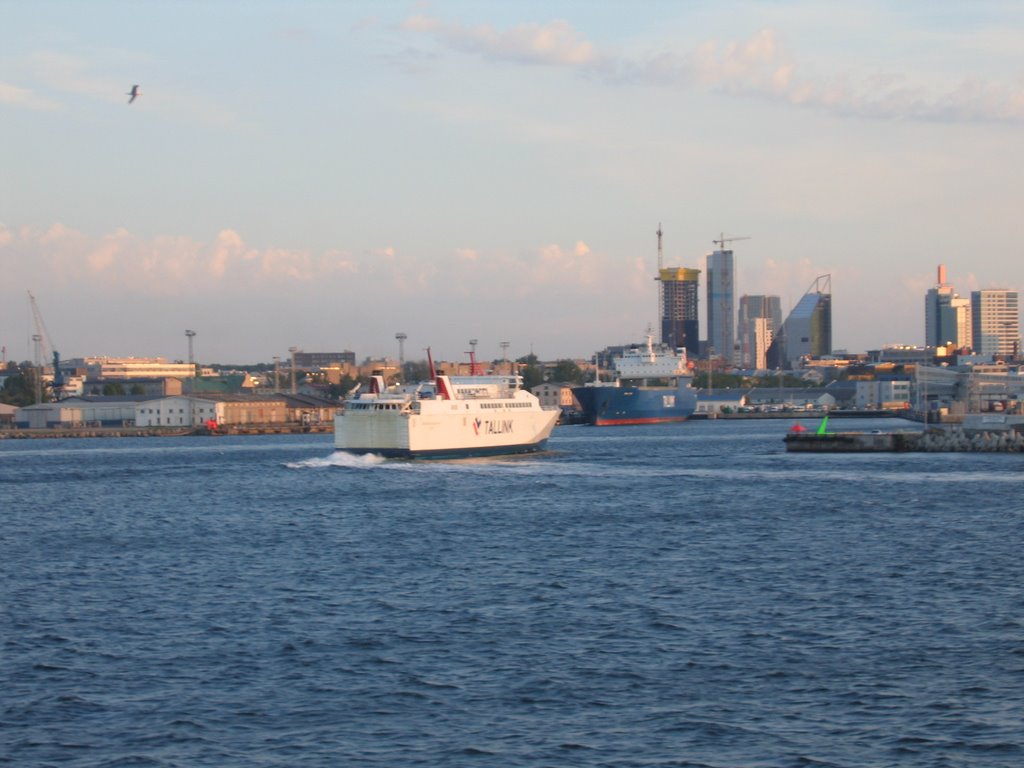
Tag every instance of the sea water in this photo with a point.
(684, 595)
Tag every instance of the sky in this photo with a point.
(325, 175)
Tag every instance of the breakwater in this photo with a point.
(932, 441)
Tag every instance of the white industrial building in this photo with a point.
(177, 411)
(80, 412)
(882, 394)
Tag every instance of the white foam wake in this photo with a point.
(339, 459)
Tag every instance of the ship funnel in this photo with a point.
(444, 388)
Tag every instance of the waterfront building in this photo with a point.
(235, 410)
(7, 414)
(130, 368)
(777, 399)
(947, 316)
(721, 305)
(995, 316)
(85, 411)
(807, 332)
(680, 326)
(555, 395)
(311, 360)
(891, 394)
(720, 401)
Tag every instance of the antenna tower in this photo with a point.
(293, 350)
(401, 353)
(191, 335)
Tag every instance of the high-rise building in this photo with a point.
(947, 317)
(753, 338)
(680, 326)
(807, 331)
(757, 336)
(995, 315)
(721, 304)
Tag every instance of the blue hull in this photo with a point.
(610, 405)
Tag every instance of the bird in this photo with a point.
(134, 93)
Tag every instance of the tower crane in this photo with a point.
(721, 241)
(44, 350)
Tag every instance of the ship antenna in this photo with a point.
(430, 365)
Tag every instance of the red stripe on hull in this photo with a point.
(649, 420)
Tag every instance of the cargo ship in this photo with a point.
(652, 385)
(447, 417)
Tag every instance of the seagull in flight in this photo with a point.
(134, 93)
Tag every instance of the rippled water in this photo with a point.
(685, 595)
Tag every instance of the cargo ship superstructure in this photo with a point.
(448, 417)
(651, 386)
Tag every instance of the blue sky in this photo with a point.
(324, 175)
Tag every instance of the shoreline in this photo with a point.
(238, 429)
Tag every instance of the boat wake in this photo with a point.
(339, 459)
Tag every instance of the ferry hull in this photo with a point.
(611, 405)
(451, 453)
(451, 432)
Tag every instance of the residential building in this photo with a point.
(947, 317)
(721, 305)
(680, 326)
(760, 317)
(995, 316)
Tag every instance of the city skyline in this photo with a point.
(324, 176)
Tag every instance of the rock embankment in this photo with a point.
(1008, 441)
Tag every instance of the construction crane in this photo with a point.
(44, 350)
(721, 241)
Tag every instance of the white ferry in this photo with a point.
(450, 417)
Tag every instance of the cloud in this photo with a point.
(14, 96)
(555, 43)
(70, 74)
(757, 67)
(162, 265)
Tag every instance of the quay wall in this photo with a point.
(231, 429)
